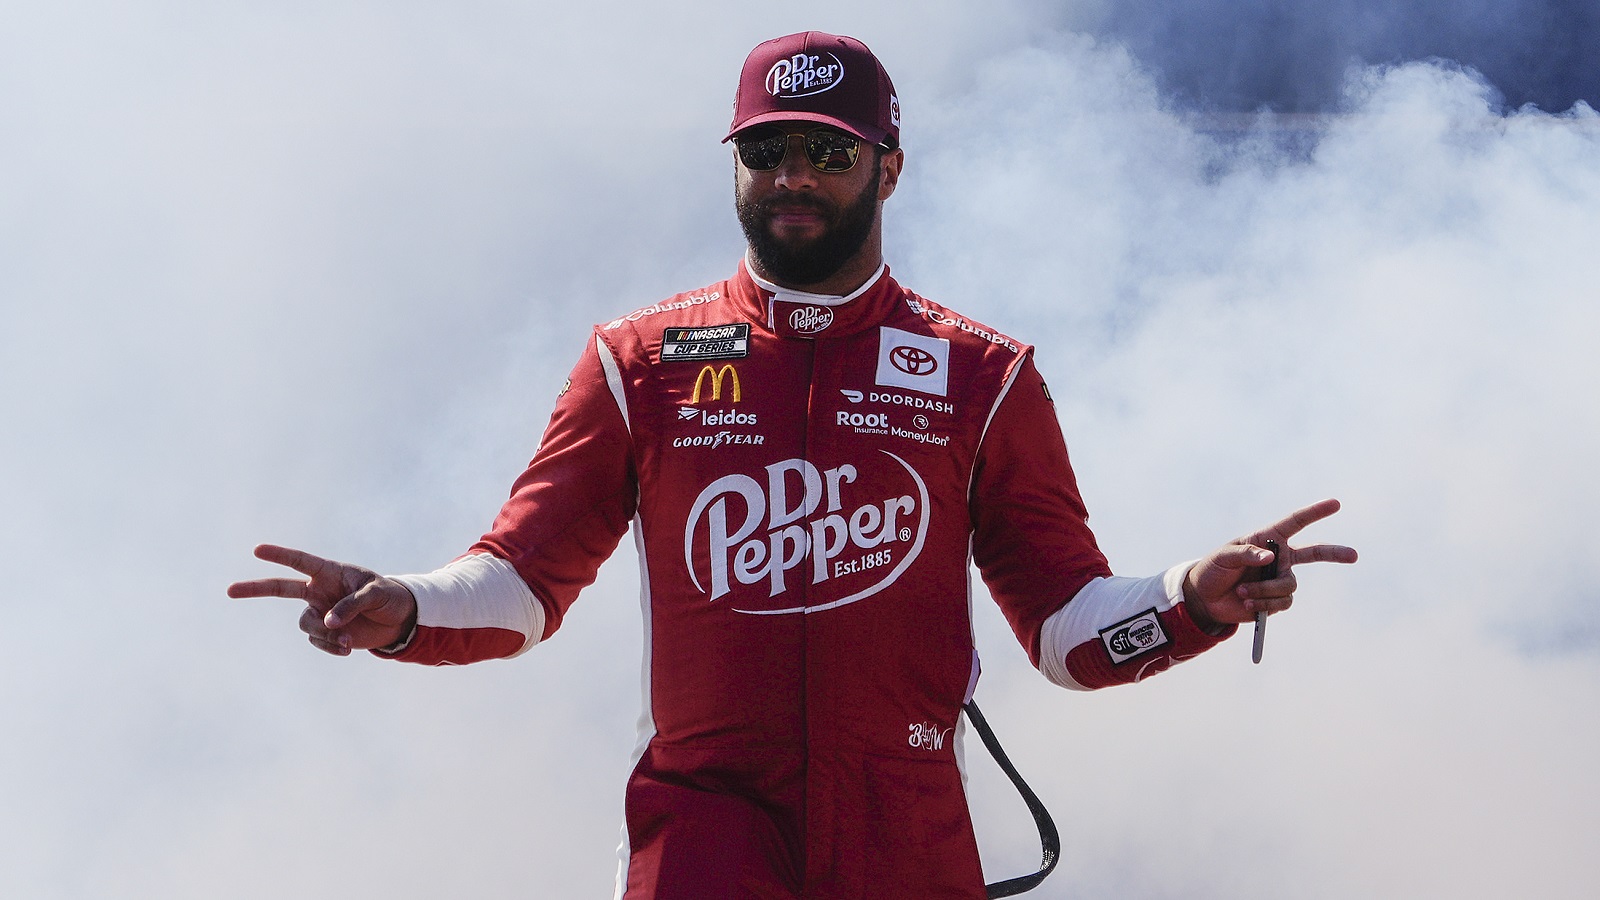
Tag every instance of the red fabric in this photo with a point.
(817, 77)
(802, 714)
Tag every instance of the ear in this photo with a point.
(889, 172)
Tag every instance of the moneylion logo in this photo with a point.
(804, 74)
(716, 376)
(748, 532)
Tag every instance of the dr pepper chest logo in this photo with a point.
(849, 532)
(804, 74)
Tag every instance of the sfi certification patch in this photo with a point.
(1134, 636)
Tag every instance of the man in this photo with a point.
(810, 455)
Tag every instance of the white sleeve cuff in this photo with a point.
(476, 591)
(1098, 605)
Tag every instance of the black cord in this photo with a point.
(1049, 838)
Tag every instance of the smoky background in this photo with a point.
(313, 275)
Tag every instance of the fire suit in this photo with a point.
(808, 478)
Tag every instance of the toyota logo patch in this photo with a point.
(913, 361)
(916, 362)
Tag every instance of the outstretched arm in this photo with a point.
(347, 607)
(1217, 591)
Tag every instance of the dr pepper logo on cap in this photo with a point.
(804, 74)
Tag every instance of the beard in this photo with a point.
(815, 260)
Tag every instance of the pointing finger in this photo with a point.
(1334, 553)
(1298, 520)
(298, 560)
(292, 588)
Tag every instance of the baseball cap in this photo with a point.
(814, 76)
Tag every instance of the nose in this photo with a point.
(795, 173)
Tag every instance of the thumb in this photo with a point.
(1241, 556)
(365, 599)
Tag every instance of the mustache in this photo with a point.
(811, 202)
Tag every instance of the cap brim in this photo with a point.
(868, 134)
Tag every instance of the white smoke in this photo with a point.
(1400, 319)
(315, 278)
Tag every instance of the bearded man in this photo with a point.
(810, 456)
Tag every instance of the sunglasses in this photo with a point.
(762, 148)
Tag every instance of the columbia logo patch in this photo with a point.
(1134, 637)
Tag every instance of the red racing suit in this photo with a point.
(808, 479)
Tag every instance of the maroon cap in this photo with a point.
(818, 77)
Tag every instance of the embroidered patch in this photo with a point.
(913, 361)
(1134, 637)
(709, 342)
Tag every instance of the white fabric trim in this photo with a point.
(613, 379)
(647, 718)
(1005, 389)
(790, 295)
(477, 591)
(1100, 603)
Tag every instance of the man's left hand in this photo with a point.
(1217, 589)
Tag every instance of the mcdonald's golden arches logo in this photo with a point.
(717, 376)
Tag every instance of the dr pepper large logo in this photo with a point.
(856, 529)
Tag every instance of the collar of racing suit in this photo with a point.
(798, 314)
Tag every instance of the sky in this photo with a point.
(313, 273)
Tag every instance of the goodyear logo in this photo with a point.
(1134, 637)
(719, 380)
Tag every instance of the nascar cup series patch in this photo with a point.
(708, 342)
(1134, 637)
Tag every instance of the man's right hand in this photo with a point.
(347, 607)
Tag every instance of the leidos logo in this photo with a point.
(722, 417)
(803, 511)
(802, 75)
(717, 377)
(810, 319)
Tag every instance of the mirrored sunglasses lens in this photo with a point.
(762, 148)
(831, 151)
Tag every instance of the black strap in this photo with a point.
(1049, 839)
